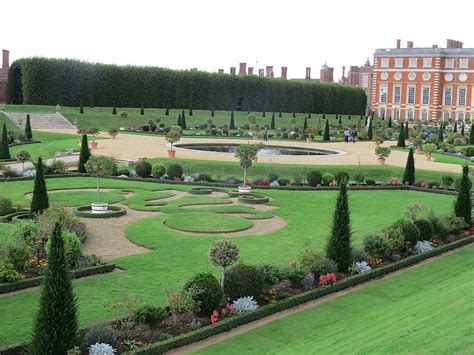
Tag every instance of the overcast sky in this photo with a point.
(213, 34)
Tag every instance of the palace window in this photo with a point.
(425, 97)
(461, 116)
(397, 93)
(398, 62)
(447, 96)
(462, 97)
(383, 94)
(396, 114)
(427, 62)
(411, 95)
(463, 63)
(412, 62)
(446, 116)
(384, 63)
(449, 64)
(410, 115)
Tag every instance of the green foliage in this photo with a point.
(314, 178)
(327, 179)
(425, 228)
(310, 260)
(40, 201)
(370, 131)
(150, 315)
(223, 253)
(326, 137)
(272, 123)
(114, 110)
(143, 168)
(342, 176)
(407, 131)
(389, 122)
(174, 135)
(142, 110)
(81, 108)
(174, 171)
(56, 324)
(440, 134)
(28, 132)
(429, 148)
(246, 151)
(84, 155)
(396, 239)
(4, 149)
(205, 290)
(463, 205)
(100, 332)
(8, 273)
(270, 274)
(339, 244)
(72, 248)
(57, 167)
(471, 134)
(454, 224)
(401, 136)
(409, 174)
(6, 206)
(376, 246)
(158, 170)
(241, 281)
(13, 251)
(232, 121)
(409, 231)
(101, 165)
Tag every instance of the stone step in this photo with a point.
(40, 120)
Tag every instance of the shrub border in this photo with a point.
(200, 191)
(253, 198)
(36, 281)
(264, 311)
(112, 212)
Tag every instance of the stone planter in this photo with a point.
(100, 207)
(94, 144)
(113, 135)
(309, 140)
(171, 153)
(381, 161)
(255, 159)
(428, 157)
(245, 189)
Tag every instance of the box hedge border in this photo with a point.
(264, 311)
(36, 281)
(112, 212)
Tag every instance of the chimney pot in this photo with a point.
(399, 41)
(6, 59)
(410, 44)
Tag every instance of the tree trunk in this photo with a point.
(245, 177)
(98, 189)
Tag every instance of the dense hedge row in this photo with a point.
(67, 82)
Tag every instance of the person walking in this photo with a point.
(265, 135)
(354, 135)
(346, 135)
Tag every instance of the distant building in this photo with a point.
(4, 75)
(326, 74)
(361, 77)
(428, 83)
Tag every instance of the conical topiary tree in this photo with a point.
(340, 120)
(279, 115)
(56, 324)
(272, 123)
(183, 120)
(309, 114)
(142, 110)
(81, 108)
(39, 201)
(167, 112)
(455, 129)
(4, 148)
(305, 124)
(114, 110)
(28, 131)
(462, 130)
(84, 155)
(407, 132)
(471, 134)
(232, 121)
(401, 136)
(191, 112)
(263, 113)
(180, 121)
(409, 175)
(389, 122)
(324, 116)
(326, 137)
(212, 113)
(440, 134)
(463, 204)
(370, 131)
(294, 115)
(339, 246)
(349, 117)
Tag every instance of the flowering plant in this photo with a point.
(328, 279)
(227, 312)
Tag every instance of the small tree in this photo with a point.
(370, 132)
(463, 204)
(40, 201)
(142, 110)
(56, 325)
(471, 134)
(246, 153)
(212, 113)
(319, 126)
(123, 115)
(389, 122)
(263, 113)
(440, 134)
(114, 110)
(272, 122)
(305, 124)
(279, 115)
(84, 155)
(462, 130)
(94, 132)
(174, 135)
(4, 149)
(100, 165)
(455, 130)
(401, 137)
(407, 131)
(223, 253)
(232, 122)
(179, 123)
(409, 175)
(339, 246)
(183, 120)
(28, 132)
(294, 115)
(167, 112)
(23, 156)
(429, 149)
(340, 121)
(326, 137)
(309, 114)
(81, 108)
(191, 112)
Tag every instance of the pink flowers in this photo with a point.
(328, 279)
(227, 312)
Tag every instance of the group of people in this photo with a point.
(350, 135)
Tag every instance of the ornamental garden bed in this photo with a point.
(112, 212)
(253, 198)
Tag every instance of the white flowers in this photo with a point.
(423, 247)
(245, 304)
(101, 349)
(361, 266)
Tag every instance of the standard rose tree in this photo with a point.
(246, 153)
(223, 253)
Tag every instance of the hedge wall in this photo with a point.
(44, 81)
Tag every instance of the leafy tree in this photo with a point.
(223, 253)
(370, 132)
(471, 134)
(440, 134)
(409, 175)
(84, 155)
(246, 153)
(23, 156)
(100, 165)
(232, 122)
(81, 108)
(56, 325)
(167, 112)
(39, 201)
(326, 137)
(401, 136)
(339, 246)
(4, 149)
(28, 132)
(142, 110)
(463, 204)
(305, 124)
(272, 123)
(407, 132)
(173, 136)
(389, 122)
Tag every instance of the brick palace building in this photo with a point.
(428, 83)
(4, 75)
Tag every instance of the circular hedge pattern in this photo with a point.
(80, 198)
(200, 191)
(201, 222)
(253, 198)
(86, 211)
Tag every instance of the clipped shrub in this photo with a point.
(123, 171)
(327, 178)
(283, 181)
(425, 228)
(396, 239)
(72, 247)
(150, 315)
(158, 170)
(13, 251)
(370, 182)
(440, 229)
(143, 168)
(454, 224)
(241, 281)
(206, 290)
(100, 332)
(409, 231)
(174, 171)
(6, 206)
(205, 177)
(447, 181)
(314, 178)
(376, 246)
(341, 176)
(270, 274)
(272, 177)
(8, 273)
(328, 266)
(56, 167)
(310, 260)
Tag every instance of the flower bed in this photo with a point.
(86, 211)
(253, 198)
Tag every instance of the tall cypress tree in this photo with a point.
(28, 132)
(212, 113)
(191, 112)
(114, 110)
(232, 121)
(84, 156)
(324, 116)
(389, 122)
(294, 115)
(4, 148)
(349, 117)
(81, 108)
(272, 123)
(409, 175)
(309, 114)
(263, 113)
(340, 120)
(463, 205)
(167, 112)
(401, 136)
(462, 130)
(183, 122)
(440, 134)
(142, 110)
(279, 115)
(39, 201)
(305, 124)
(326, 137)
(56, 325)
(407, 132)
(339, 246)
(180, 123)
(370, 132)
(471, 134)
(455, 130)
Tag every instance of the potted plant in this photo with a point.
(378, 141)
(113, 131)
(246, 153)
(417, 141)
(429, 149)
(311, 133)
(382, 153)
(173, 136)
(94, 132)
(123, 115)
(100, 165)
(252, 121)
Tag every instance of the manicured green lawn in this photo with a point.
(5, 228)
(73, 198)
(427, 310)
(175, 257)
(442, 158)
(204, 222)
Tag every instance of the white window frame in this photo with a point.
(461, 116)
(424, 115)
(395, 101)
(398, 62)
(408, 95)
(396, 114)
(365, 80)
(464, 63)
(382, 112)
(423, 97)
(385, 63)
(446, 90)
(427, 62)
(412, 62)
(446, 116)
(462, 103)
(449, 64)
(383, 90)
(410, 115)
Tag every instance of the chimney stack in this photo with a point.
(242, 68)
(399, 42)
(269, 71)
(261, 72)
(410, 44)
(220, 71)
(283, 72)
(343, 71)
(232, 70)
(6, 59)
(308, 73)
(250, 71)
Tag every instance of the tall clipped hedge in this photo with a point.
(44, 81)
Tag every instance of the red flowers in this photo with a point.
(327, 279)
(227, 312)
